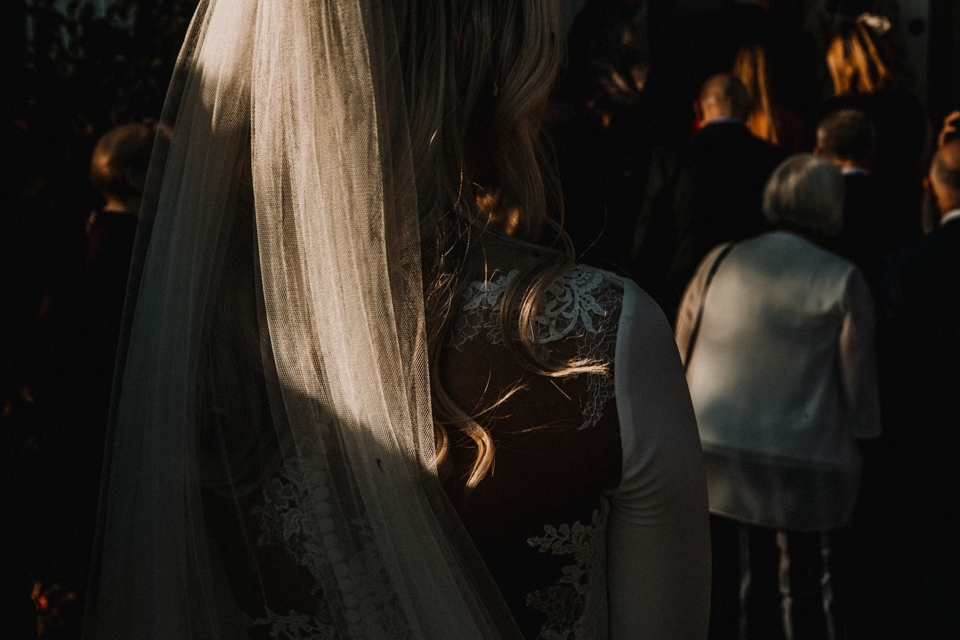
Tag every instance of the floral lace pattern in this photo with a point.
(299, 512)
(581, 302)
(353, 592)
(573, 610)
(296, 626)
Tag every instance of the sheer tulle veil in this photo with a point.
(276, 329)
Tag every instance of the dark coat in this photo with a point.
(870, 227)
(920, 380)
(710, 191)
(902, 130)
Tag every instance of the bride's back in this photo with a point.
(565, 436)
(321, 266)
(539, 514)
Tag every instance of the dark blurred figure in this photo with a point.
(86, 331)
(688, 47)
(865, 78)
(869, 234)
(80, 353)
(848, 139)
(118, 169)
(707, 192)
(600, 127)
(920, 347)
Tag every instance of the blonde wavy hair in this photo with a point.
(856, 60)
(477, 76)
(478, 80)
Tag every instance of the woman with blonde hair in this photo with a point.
(348, 405)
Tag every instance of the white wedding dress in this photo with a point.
(272, 469)
(593, 522)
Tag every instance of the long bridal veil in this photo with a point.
(272, 469)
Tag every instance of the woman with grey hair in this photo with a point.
(777, 338)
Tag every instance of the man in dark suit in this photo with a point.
(707, 192)
(920, 358)
(848, 139)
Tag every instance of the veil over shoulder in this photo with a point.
(319, 205)
(272, 392)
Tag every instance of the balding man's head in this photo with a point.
(723, 96)
(944, 178)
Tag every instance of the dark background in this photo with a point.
(70, 71)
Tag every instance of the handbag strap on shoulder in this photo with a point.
(703, 296)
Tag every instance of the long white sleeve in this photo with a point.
(658, 536)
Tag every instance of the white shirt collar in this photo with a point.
(949, 215)
(720, 120)
(854, 171)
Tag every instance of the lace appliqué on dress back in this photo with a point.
(575, 610)
(580, 303)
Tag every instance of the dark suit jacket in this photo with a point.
(711, 194)
(920, 342)
(873, 227)
(901, 126)
(863, 239)
(920, 384)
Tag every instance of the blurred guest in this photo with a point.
(600, 124)
(777, 339)
(82, 345)
(706, 192)
(690, 41)
(920, 340)
(848, 139)
(864, 78)
(118, 169)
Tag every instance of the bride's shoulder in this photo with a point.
(580, 301)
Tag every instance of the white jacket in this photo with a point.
(783, 380)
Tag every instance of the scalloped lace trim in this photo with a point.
(578, 303)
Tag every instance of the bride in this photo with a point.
(348, 404)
